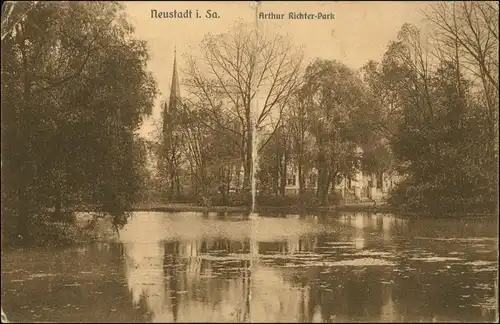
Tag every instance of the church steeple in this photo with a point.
(175, 91)
(169, 164)
(175, 96)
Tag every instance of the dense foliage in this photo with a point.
(446, 137)
(74, 91)
(427, 114)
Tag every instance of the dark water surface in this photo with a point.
(190, 267)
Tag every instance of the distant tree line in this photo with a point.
(428, 110)
(245, 81)
(74, 91)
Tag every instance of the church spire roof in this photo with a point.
(175, 91)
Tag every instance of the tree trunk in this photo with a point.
(301, 152)
(170, 185)
(58, 207)
(333, 181)
(323, 179)
(25, 170)
(284, 172)
(248, 160)
(277, 174)
(301, 174)
(323, 185)
(248, 163)
(23, 226)
(178, 184)
(301, 180)
(194, 184)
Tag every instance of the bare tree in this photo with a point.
(467, 34)
(13, 14)
(171, 158)
(249, 77)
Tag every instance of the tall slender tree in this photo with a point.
(248, 76)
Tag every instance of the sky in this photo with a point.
(360, 31)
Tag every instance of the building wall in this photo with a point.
(363, 186)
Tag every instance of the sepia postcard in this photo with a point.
(249, 161)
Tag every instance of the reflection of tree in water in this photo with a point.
(367, 230)
(388, 311)
(345, 295)
(292, 245)
(361, 293)
(440, 292)
(197, 281)
(276, 298)
(203, 283)
(213, 279)
(144, 273)
(83, 284)
(210, 289)
(316, 293)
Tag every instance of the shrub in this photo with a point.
(239, 198)
(184, 198)
(277, 201)
(46, 232)
(433, 199)
(335, 198)
(406, 196)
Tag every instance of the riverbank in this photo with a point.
(368, 207)
(186, 207)
(54, 234)
(86, 230)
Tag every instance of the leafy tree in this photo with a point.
(275, 161)
(75, 89)
(335, 99)
(443, 142)
(298, 123)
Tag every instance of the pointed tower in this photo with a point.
(175, 91)
(165, 118)
(175, 97)
(170, 146)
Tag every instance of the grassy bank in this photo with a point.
(294, 209)
(49, 233)
(180, 207)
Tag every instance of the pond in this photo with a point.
(194, 267)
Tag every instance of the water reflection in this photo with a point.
(190, 267)
(211, 279)
(144, 273)
(309, 273)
